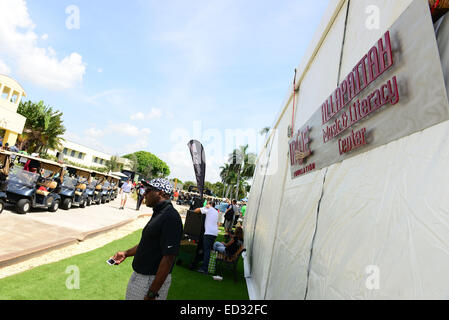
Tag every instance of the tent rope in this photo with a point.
(294, 96)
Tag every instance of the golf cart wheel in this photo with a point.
(54, 207)
(67, 204)
(89, 202)
(23, 206)
(83, 203)
(103, 200)
(2, 205)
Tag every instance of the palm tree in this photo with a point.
(224, 173)
(113, 164)
(43, 128)
(243, 164)
(264, 131)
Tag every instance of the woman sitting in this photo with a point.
(233, 245)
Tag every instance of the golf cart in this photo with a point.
(106, 188)
(35, 185)
(95, 188)
(92, 194)
(114, 186)
(74, 187)
(5, 161)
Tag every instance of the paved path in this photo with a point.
(22, 236)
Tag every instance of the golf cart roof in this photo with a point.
(114, 177)
(37, 159)
(78, 168)
(119, 174)
(100, 174)
(46, 164)
(4, 154)
(80, 171)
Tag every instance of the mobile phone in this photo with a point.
(111, 262)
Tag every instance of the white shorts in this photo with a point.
(125, 195)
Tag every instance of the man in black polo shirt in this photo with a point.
(155, 255)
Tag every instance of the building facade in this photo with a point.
(86, 156)
(11, 123)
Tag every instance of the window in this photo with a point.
(14, 97)
(80, 155)
(72, 154)
(65, 151)
(6, 92)
(96, 160)
(101, 161)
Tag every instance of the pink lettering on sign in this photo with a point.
(360, 109)
(378, 60)
(354, 141)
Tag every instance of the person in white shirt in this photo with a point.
(210, 233)
(125, 191)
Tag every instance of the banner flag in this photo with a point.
(199, 163)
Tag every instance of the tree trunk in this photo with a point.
(228, 191)
(224, 190)
(237, 187)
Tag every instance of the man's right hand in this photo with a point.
(119, 257)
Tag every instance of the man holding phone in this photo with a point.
(155, 255)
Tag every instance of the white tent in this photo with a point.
(375, 225)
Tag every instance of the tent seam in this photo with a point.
(314, 234)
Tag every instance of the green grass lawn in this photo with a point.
(99, 281)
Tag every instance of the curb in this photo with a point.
(90, 234)
(34, 252)
(9, 259)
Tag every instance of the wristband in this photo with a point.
(152, 295)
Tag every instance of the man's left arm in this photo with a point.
(170, 242)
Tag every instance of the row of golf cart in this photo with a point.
(29, 182)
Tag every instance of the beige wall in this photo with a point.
(10, 95)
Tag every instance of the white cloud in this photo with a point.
(94, 133)
(138, 116)
(146, 131)
(4, 69)
(153, 114)
(125, 138)
(180, 163)
(115, 97)
(44, 37)
(128, 129)
(39, 65)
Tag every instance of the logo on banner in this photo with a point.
(300, 148)
(300, 151)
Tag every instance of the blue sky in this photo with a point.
(151, 75)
